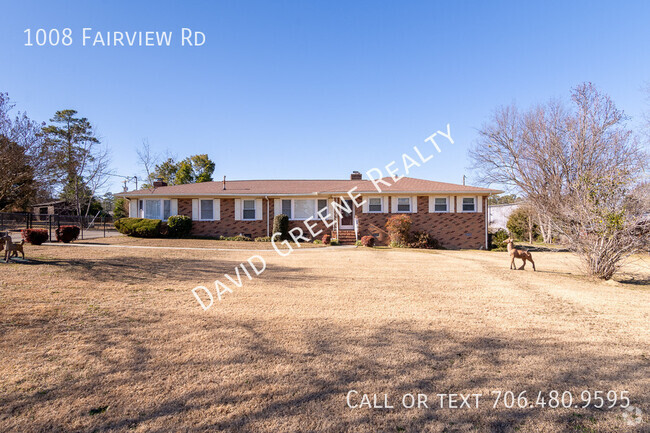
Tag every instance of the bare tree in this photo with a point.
(580, 167)
(148, 160)
(96, 172)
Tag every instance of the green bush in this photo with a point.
(317, 241)
(497, 240)
(334, 242)
(520, 223)
(139, 227)
(119, 208)
(358, 243)
(179, 225)
(281, 225)
(263, 239)
(235, 238)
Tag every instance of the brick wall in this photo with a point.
(226, 226)
(453, 230)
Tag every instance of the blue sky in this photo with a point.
(306, 89)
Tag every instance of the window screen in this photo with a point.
(152, 209)
(468, 204)
(323, 212)
(404, 204)
(249, 209)
(286, 208)
(207, 209)
(440, 204)
(167, 209)
(303, 209)
(374, 205)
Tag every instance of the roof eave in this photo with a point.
(302, 194)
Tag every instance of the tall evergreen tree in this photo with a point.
(76, 159)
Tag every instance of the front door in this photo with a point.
(347, 218)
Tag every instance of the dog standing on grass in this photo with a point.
(518, 254)
(11, 249)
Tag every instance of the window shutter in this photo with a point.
(384, 204)
(364, 206)
(237, 209)
(414, 204)
(174, 206)
(459, 204)
(393, 204)
(195, 209)
(479, 204)
(330, 210)
(258, 209)
(216, 209)
(277, 207)
(133, 208)
(432, 204)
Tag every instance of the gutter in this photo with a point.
(313, 194)
(268, 213)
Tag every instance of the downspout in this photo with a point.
(336, 219)
(486, 214)
(268, 212)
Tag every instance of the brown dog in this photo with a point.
(518, 254)
(11, 249)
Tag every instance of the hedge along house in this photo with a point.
(453, 214)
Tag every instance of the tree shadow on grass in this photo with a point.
(634, 281)
(137, 269)
(251, 375)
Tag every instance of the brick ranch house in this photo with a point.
(453, 214)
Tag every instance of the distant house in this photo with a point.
(498, 215)
(453, 214)
(57, 207)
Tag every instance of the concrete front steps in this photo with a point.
(346, 237)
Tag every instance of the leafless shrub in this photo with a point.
(580, 168)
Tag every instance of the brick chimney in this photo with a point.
(355, 175)
(158, 182)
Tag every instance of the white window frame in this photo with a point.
(410, 199)
(462, 204)
(243, 209)
(293, 208)
(315, 216)
(290, 207)
(201, 212)
(381, 205)
(446, 204)
(162, 208)
(328, 215)
(142, 211)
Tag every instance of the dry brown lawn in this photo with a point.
(112, 339)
